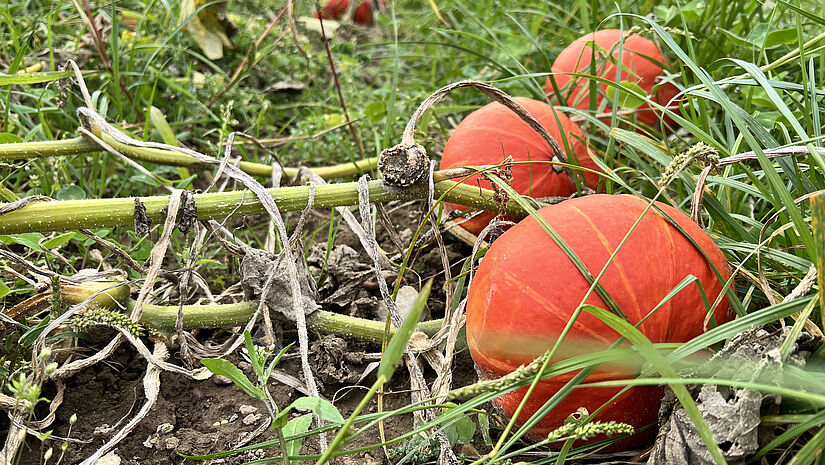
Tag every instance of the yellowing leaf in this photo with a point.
(206, 27)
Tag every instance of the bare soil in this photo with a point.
(204, 417)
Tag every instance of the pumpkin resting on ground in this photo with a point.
(641, 64)
(526, 289)
(493, 132)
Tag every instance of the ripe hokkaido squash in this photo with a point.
(526, 289)
(641, 64)
(362, 15)
(493, 132)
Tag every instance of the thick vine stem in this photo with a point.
(73, 294)
(104, 213)
(162, 318)
(408, 162)
(81, 145)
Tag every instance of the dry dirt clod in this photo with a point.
(171, 443)
(247, 409)
(246, 367)
(165, 428)
(194, 442)
(151, 441)
(109, 459)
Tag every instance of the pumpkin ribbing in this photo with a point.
(526, 289)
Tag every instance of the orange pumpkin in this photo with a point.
(526, 289)
(493, 132)
(363, 12)
(641, 63)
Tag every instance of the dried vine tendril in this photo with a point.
(407, 163)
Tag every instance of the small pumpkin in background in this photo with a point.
(493, 132)
(526, 289)
(641, 64)
(362, 15)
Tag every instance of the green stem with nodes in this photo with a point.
(105, 213)
(53, 148)
(162, 318)
(80, 145)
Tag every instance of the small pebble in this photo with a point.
(221, 380)
(165, 428)
(109, 459)
(247, 409)
(233, 417)
(246, 367)
(251, 419)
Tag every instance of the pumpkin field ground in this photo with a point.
(175, 290)
(189, 413)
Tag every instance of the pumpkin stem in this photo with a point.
(407, 162)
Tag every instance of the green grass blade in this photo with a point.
(571, 254)
(818, 224)
(811, 422)
(398, 343)
(35, 78)
(649, 352)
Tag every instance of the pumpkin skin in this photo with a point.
(526, 289)
(336, 8)
(489, 134)
(640, 55)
